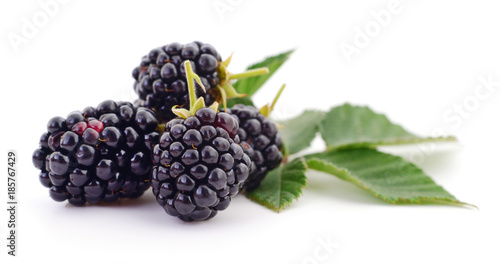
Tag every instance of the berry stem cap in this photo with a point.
(225, 87)
(194, 103)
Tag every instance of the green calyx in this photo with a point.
(268, 108)
(194, 104)
(225, 87)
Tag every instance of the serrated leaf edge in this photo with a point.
(344, 174)
(271, 206)
(399, 141)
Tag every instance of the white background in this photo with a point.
(424, 62)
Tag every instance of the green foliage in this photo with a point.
(386, 176)
(281, 185)
(350, 126)
(301, 130)
(251, 85)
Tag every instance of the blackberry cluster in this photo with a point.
(199, 165)
(261, 141)
(98, 154)
(160, 79)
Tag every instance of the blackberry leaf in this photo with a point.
(281, 186)
(239, 100)
(348, 126)
(251, 85)
(298, 132)
(386, 176)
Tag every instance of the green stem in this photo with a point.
(250, 73)
(268, 108)
(191, 77)
(194, 104)
(190, 80)
(277, 97)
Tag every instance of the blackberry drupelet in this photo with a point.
(98, 154)
(260, 139)
(160, 79)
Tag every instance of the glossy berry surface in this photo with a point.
(98, 154)
(199, 165)
(260, 139)
(160, 79)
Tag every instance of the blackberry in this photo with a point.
(260, 139)
(98, 154)
(160, 79)
(199, 164)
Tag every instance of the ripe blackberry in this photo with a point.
(199, 164)
(98, 154)
(160, 79)
(260, 139)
